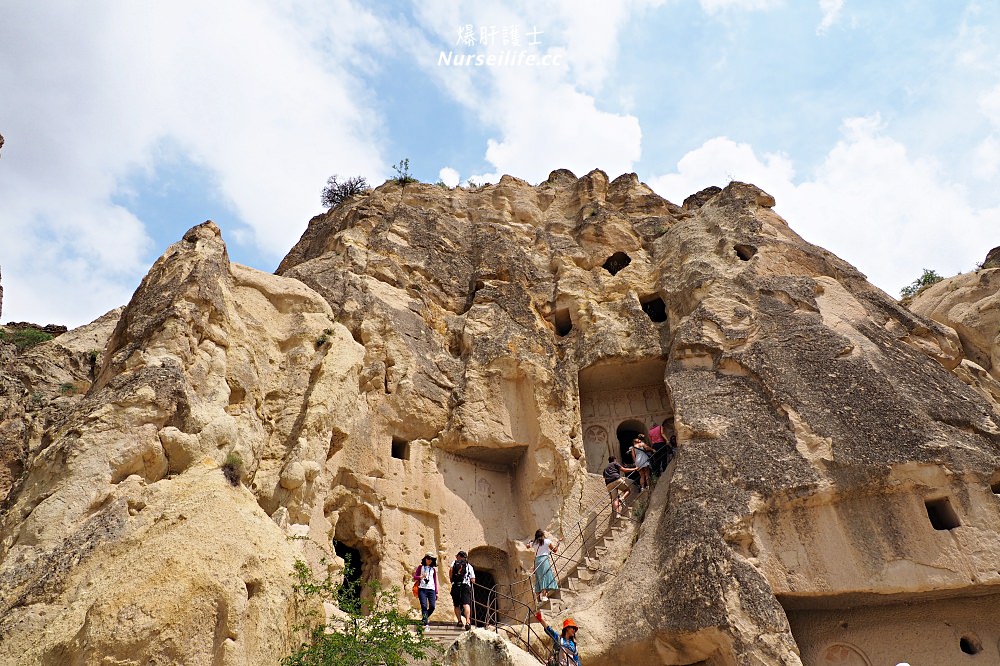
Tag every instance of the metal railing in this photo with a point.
(505, 608)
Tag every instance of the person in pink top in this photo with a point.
(658, 438)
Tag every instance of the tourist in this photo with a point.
(671, 449)
(426, 578)
(640, 454)
(545, 577)
(657, 438)
(462, 577)
(564, 651)
(616, 483)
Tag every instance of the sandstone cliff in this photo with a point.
(437, 369)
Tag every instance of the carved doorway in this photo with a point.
(616, 392)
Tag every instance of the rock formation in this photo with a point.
(969, 305)
(435, 369)
(992, 259)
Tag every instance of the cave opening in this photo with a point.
(617, 262)
(349, 594)
(655, 308)
(941, 514)
(562, 321)
(400, 448)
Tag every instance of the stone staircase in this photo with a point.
(580, 577)
(580, 572)
(443, 633)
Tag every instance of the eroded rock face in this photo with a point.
(122, 538)
(484, 648)
(970, 304)
(437, 369)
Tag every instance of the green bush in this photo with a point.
(337, 192)
(375, 632)
(926, 279)
(23, 338)
(232, 468)
(403, 172)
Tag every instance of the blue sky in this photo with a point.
(875, 125)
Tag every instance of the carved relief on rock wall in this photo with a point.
(603, 411)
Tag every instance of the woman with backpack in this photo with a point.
(564, 652)
(545, 577)
(426, 578)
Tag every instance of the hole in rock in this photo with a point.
(970, 644)
(563, 322)
(655, 308)
(400, 448)
(941, 514)
(995, 487)
(484, 599)
(617, 262)
(626, 433)
(236, 393)
(350, 592)
(745, 252)
(253, 587)
(493, 596)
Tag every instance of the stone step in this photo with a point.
(553, 605)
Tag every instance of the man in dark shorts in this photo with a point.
(462, 577)
(618, 487)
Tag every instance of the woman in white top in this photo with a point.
(545, 577)
(427, 586)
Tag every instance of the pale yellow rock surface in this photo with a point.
(123, 527)
(970, 304)
(485, 648)
(435, 370)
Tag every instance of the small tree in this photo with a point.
(403, 172)
(928, 278)
(374, 633)
(337, 192)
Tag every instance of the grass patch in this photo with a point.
(232, 468)
(24, 338)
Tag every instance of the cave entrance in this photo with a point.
(619, 396)
(484, 598)
(492, 594)
(626, 433)
(350, 593)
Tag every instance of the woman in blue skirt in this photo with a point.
(545, 577)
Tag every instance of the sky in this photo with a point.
(875, 125)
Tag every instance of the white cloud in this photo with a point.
(91, 91)
(831, 14)
(989, 104)
(986, 158)
(449, 176)
(872, 203)
(716, 6)
(561, 129)
(545, 117)
(719, 161)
